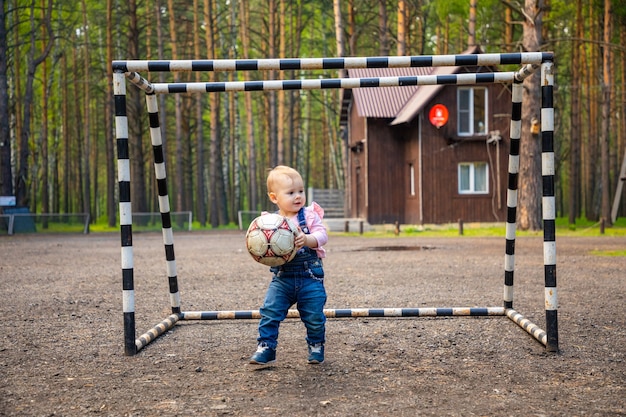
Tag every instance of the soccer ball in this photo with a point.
(270, 239)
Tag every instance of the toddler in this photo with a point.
(300, 281)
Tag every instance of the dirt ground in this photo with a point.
(62, 347)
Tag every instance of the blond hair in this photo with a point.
(278, 173)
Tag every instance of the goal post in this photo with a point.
(528, 62)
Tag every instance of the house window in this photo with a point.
(411, 180)
(472, 111)
(473, 178)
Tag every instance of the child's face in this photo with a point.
(288, 195)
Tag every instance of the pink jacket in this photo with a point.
(313, 216)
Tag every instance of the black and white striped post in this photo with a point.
(549, 337)
(164, 202)
(126, 213)
(511, 198)
(549, 204)
(127, 70)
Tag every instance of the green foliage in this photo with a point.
(619, 10)
(449, 8)
(309, 32)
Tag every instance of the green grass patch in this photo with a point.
(616, 253)
(583, 228)
(155, 226)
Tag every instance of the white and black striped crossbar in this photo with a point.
(316, 84)
(282, 64)
(530, 327)
(156, 331)
(169, 323)
(353, 312)
(329, 83)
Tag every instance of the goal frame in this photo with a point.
(529, 62)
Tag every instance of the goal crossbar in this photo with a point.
(124, 71)
(328, 83)
(282, 64)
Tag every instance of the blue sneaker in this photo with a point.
(264, 355)
(316, 353)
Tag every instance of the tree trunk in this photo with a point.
(178, 162)
(280, 118)
(77, 178)
(200, 183)
(235, 167)
(216, 185)
(65, 116)
(45, 180)
(383, 31)
(403, 28)
(339, 38)
(471, 37)
(352, 29)
(135, 113)
(22, 181)
(446, 36)
(18, 97)
(272, 113)
(54, 169)
(253, 187)
(231, 128)
(605, 210)
(86, 118)
(169, 156)
(438, 42)
(6, 173)
(295, 96)
(575, 122)
(335, 147)
(508, 30)
(529, 213)
(591, 151)
(188, 153)
(417, 28)
(619, 198)
(108, 122)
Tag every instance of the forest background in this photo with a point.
(57, 142)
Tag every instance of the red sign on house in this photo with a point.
(438, 115)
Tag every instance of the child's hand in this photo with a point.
(300, 240)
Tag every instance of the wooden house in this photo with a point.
(406, 165)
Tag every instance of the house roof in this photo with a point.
(401, 104)
(422, 96)
(384, 102)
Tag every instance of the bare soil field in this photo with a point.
(62, 353)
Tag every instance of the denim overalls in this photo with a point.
(300, 282)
